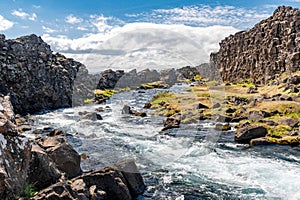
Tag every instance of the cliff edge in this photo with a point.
(33, 76)
(267, 50)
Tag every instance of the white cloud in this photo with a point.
(80, 28)
(20, 13)
(36, 6)
(103, 23)
(71, 19)
(33, 17)
(48, 30)
(205, 15)
(5, 24)
(143, 45)
(24, 15)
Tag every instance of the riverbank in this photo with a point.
(259, 114)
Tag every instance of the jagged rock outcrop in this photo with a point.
(134, 79)
(34, 77)
(14, 153)
(120, 182)
(109, 78)
(267, 50)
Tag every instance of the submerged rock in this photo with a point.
(130, 111)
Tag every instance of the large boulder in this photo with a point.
(43, 171)
(35, 78)
(14, 153)
(63, 155)
(119, 182)
(109, 78)
(247, 133)
(172, 122)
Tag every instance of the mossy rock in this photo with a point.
(153, 85)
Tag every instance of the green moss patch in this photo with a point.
(157, 84)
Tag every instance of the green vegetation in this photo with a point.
(126, 89)
(157, 84)
(198, 77)
(29, 191)
(88, 101)
(104, 93)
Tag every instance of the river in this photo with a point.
(191, 162)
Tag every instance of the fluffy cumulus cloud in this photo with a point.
(72, 19)
(5, 24)
(24, 15)
(143, 45)
(160, 39)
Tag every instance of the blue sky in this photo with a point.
(81, 28)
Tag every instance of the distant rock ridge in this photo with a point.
(34, 77)
(267, 50)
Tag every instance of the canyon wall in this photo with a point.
(262, 53)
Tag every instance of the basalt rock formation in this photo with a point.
(34, 77)
(267, 50)
(14, 153)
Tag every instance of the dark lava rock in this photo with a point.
(230, 110)
(35, 78)
(217, 105)
(202, 106)
(14, 153)
(223, 118)
(43, 171)
(259, 141)
(295, 80)
(238, 119)
(258, 115)
(109, 78)
(268, 122)
(237, 100)
(129, 111)
(131, 173)
(119, 182)
(245, 134)
(147, 105)
(252, 90)
(290, 122)
(90, 116)
(222, 127)
(172, 122)
(63, 155)
(260, 54)
(294, 133)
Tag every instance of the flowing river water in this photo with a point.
(191, 162)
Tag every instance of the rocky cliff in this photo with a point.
(270, 48)
(34, 77)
